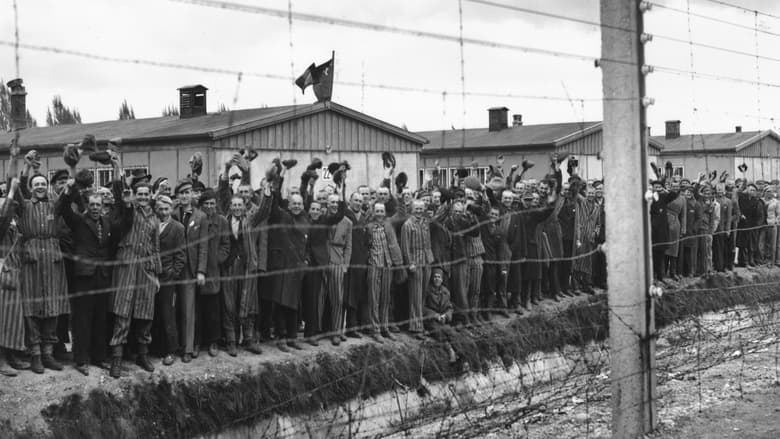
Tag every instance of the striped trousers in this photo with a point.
(239, 303)
(379, 279)
(334, 290)
(459, 287)
(11, 320)
(474, 268)
(418, 281)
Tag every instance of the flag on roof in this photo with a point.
(320, 77)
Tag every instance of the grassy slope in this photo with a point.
(189, 408)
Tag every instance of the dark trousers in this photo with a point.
(165, 328)
(659, 260)
(399, 302)
(313, 301)
(90, 315)
(286, 319)
(686, 263)
(40, 334)
(718, 251)
(208, 324)
(550, 279)
(565, 266)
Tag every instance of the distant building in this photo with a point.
(163, 145)
(694, 153)
(454, 148)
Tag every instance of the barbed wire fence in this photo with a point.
(514, 395)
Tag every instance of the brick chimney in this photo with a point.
(738, 129)
(192, 101)
(672, 129)
(517, 120)
(18, 104)
(497, 118)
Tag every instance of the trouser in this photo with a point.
(475, 270)
(441, 332)
(165, 319)
(399, 301)
(208, 324)
(760, 255)
(313, 301)
(233, 322)
(286, 319)
(460, 291)
(718, 242)
(490, 280)
(63, 334)
(755, 250)
(334, 289)
(532, 290)
(143, 332)
(770, 244)
(686, 263)
(379, 279)
(418, 282)
(514, 283)
(357, 315)
(40, 334)
(550, 278)
(90, 315)
(705, 254)
(186, 294)
(565, 266)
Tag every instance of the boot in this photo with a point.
(231, 349)
(47, 359)
(5, 369)
(36, 365)
(142, 359)
(116, 367)
(15, 362)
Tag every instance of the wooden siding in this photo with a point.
(587, 145)
(766, 147)
(315, 132)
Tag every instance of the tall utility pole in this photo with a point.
(629, 263)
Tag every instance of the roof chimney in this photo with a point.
(517, 120)
(738, 129)
(497, 118)
(672, 129)
(18, 104)
(192, 101)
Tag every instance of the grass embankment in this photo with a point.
(193, 407)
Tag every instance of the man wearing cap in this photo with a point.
(195, 249)
(42, 278)
(720, 238)
(172, 260)
(689, 242)
(215, 236)
(751, 212)
(135, 277)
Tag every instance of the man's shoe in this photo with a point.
(376, 338)
(213, 350)
(336, 340)
(83, 369)
(168, 360)
(103, 364)
(196, 352)
(254, 348)
(282, 347)
(386, 334)
(143, 362)
(50, 363)
(116, 367)
(343, 337)
(17, 363)
(36, 364)
(231, 349)
(394, 328)
(312, 341)
(186, 358)
(294, 345)
(353, 334)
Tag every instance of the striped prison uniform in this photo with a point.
(135, 277)
(11, 315)
(339, 256)
(380, 261)
(239, 287)
(416, 250)
(474, 249)
(42, 276)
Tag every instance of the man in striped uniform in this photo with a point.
(418, 256)
(135, 278)
(383, 254)
(11, 315)
(340, 254)
(43, 281)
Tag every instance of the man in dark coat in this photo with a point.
(172, 259)
(356, 299)
(660, 227)
(747, 234)
(91, 233)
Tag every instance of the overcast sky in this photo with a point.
(189, 34)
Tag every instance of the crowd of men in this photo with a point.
(712, 224)
(176, 268)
